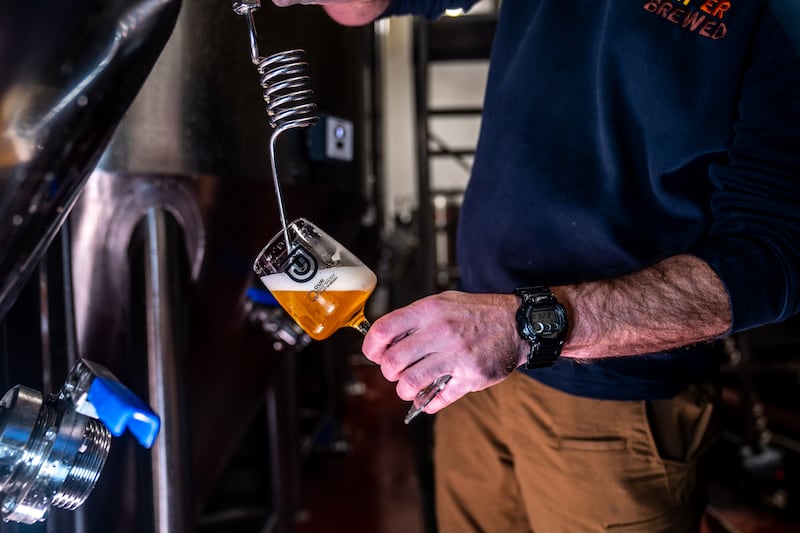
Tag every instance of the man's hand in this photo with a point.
(346, 12)
(472, 337)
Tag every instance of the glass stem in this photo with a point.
(362, 326)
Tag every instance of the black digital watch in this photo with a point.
(541, 321)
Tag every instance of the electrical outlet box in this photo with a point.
(332, 138)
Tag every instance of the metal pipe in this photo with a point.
(169, 494)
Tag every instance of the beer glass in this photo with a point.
(323, 287)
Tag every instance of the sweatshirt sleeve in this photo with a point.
(754, 241)
(430, 9)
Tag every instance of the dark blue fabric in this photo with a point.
(430, 9)
(641, 377)
(616, 134)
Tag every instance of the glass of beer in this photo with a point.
(323, 287)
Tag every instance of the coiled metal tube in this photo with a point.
(286, 91)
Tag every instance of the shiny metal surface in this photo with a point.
(51, 455)
(103, 221)
(70, 71)
(289, 102)
(223, 228)
(170, 498)
(193, 147)
(199, 111)
(286, 91)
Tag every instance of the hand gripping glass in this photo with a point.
(323, 287)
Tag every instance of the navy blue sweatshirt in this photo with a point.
(618, 133)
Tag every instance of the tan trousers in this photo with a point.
(522, 456)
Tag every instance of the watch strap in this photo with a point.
(544, 351)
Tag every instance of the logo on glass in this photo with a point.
(302, 265)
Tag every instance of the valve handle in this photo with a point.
(119, 408)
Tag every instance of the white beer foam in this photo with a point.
(348, 278)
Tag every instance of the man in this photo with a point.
(634, 196)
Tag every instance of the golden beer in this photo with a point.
(333, 299)
(324, 287)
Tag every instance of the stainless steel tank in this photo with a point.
(69, 72)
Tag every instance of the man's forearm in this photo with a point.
(677, 302)
(357, 12)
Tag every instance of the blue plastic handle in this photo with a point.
(118, 408)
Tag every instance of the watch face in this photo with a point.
(542, 321)
(546, 322)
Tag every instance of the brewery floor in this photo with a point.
(368, 479)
